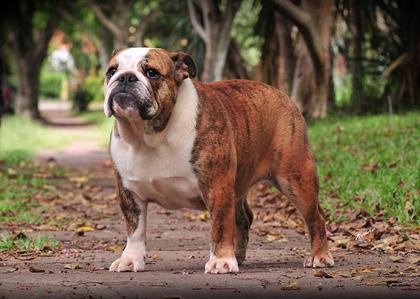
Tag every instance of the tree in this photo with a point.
(277, 58)
(382, 51)
(30, 44)
(116, 17)
(215, 28)
(311, 81)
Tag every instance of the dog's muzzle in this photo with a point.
(129, 94)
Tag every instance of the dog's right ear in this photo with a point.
(184, 66)
(115, 52)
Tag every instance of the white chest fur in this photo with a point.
(159, 169)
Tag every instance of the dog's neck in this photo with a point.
(182, 121)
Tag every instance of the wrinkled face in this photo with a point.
(143, 83)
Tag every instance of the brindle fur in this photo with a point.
(128, 205)
(246, 132)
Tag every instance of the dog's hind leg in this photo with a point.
(244, 218)
(298, 181)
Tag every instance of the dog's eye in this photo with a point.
(111, 72)
(152, 74)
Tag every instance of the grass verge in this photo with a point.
(371, 163)
(103, 124)
(21, 139)
(21, 242)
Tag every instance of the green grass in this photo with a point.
(370, 162)
(21, 139)
(18, 185)
(23, 243)
(103, 124)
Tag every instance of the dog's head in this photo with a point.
(143, 82)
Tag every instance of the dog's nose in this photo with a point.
(128, 78)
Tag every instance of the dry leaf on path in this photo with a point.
(72, 266)
(322, 274)
(35, 270)
(86, 228)
(396, 258)
(293, 285)
(414, 260)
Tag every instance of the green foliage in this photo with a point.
(89, 91)
(370, 163)
(243, 32)
(8, 242)
(343, 90)
(50, 84)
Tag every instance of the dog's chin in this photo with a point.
(124, 105)
(130, 112)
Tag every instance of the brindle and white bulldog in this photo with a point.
(181, 143)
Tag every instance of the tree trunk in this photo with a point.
(28, 89)
(356, 48)
(235, 64)
(214, 61)
(277, 59)
(30, 47)
(311, 85)
(2, 101)
(215, 32)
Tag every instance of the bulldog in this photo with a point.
(185, 144)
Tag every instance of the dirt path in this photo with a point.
(94, 234)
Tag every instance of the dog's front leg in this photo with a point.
(222, 202)
(135, 213)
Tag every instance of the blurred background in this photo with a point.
(330, 56)
(351, 66)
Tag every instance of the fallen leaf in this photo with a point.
(80, 179)
(11, 270)
(322, 274)
(100, 226)
(35, 270)
(409, 208)
(189, 216)
(345, 274)
(358, 278)
(203, 216)
(396, 258)
(86, 228)
(20, 236)
(293, 285)
(115, 249)
(372, 167)
(72, 266)
(414, 260)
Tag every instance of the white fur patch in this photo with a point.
(127, 62)
(159, 169)
(221, 265)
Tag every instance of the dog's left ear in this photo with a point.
(184, 66)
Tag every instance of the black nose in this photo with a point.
(128, 77)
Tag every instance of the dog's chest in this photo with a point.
(163, 174)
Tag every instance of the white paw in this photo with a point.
(221, 265)
(321, 260)
(128, 264)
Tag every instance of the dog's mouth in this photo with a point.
(124, 104)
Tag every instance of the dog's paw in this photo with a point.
(128, 264)
(321, 260)
(221, 265)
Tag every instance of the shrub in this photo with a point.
(50, 84)
(90, 90)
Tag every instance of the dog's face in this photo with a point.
(143, 83)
